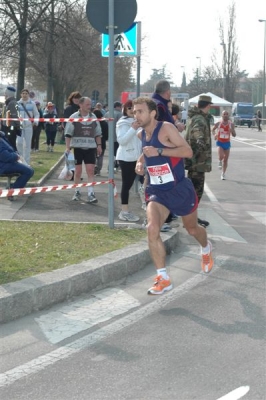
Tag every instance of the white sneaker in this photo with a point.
(77, 196)
(92, 198)
(223, 177)
(220, 164)
(128, 216)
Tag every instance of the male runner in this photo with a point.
(168, 190)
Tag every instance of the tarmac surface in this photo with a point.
(44, 290)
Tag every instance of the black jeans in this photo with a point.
(128, 177)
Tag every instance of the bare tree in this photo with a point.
(19, 20)
(61, 50)
(230, 55)
(76, 57)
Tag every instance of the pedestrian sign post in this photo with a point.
(125, 43)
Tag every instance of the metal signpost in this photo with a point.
(111, 17)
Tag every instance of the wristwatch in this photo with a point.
(159, 151)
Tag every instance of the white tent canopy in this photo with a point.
(260, 105)
(217, 101)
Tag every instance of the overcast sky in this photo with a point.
(176, 32)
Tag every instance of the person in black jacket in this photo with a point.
(10, 110)
(72, 104)
(50, 127)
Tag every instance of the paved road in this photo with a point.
(204, 340)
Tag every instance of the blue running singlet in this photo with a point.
(167, 183)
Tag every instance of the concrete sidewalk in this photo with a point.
(44, 290)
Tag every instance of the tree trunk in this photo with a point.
(22, 62)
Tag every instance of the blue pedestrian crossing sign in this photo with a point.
(125, 43)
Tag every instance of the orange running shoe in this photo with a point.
(160, 285)
(207, 260)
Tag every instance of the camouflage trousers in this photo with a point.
(197, 178)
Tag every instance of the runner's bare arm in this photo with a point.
(215, 126)
(139, 169)
(233, 129)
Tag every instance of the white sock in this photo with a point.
(206, 250)
(90, 190)
(163, 273)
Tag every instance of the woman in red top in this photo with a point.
(225, 128)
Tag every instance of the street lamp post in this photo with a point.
(224, 66)
(198, 70)
(199, 58)
(263, 78)
(183, 71)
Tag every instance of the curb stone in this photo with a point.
(24, 297)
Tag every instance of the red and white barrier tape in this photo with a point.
(43, 189)
(57, 119)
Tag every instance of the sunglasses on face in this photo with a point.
(129, 108)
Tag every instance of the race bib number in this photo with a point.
(224, 134)
(160, 174)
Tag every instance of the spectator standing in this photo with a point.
(259, 116)
(225, 128)
(10, 162)
(10, 110)
(117, 115)
(32, 95)
(184, 116)
(198, 136)
(99, 107)
(37, 129)
(50, 127)
(85, 138)
(27, 109)
(72, 105)
(128, 152)
(175, 114)
(104, 128)
(162, 98)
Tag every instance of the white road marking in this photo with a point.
(259, 216)
(84, 314)
(40, 363)
(209, 193)
(236, 394)
(245, 141)
(219, 229)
